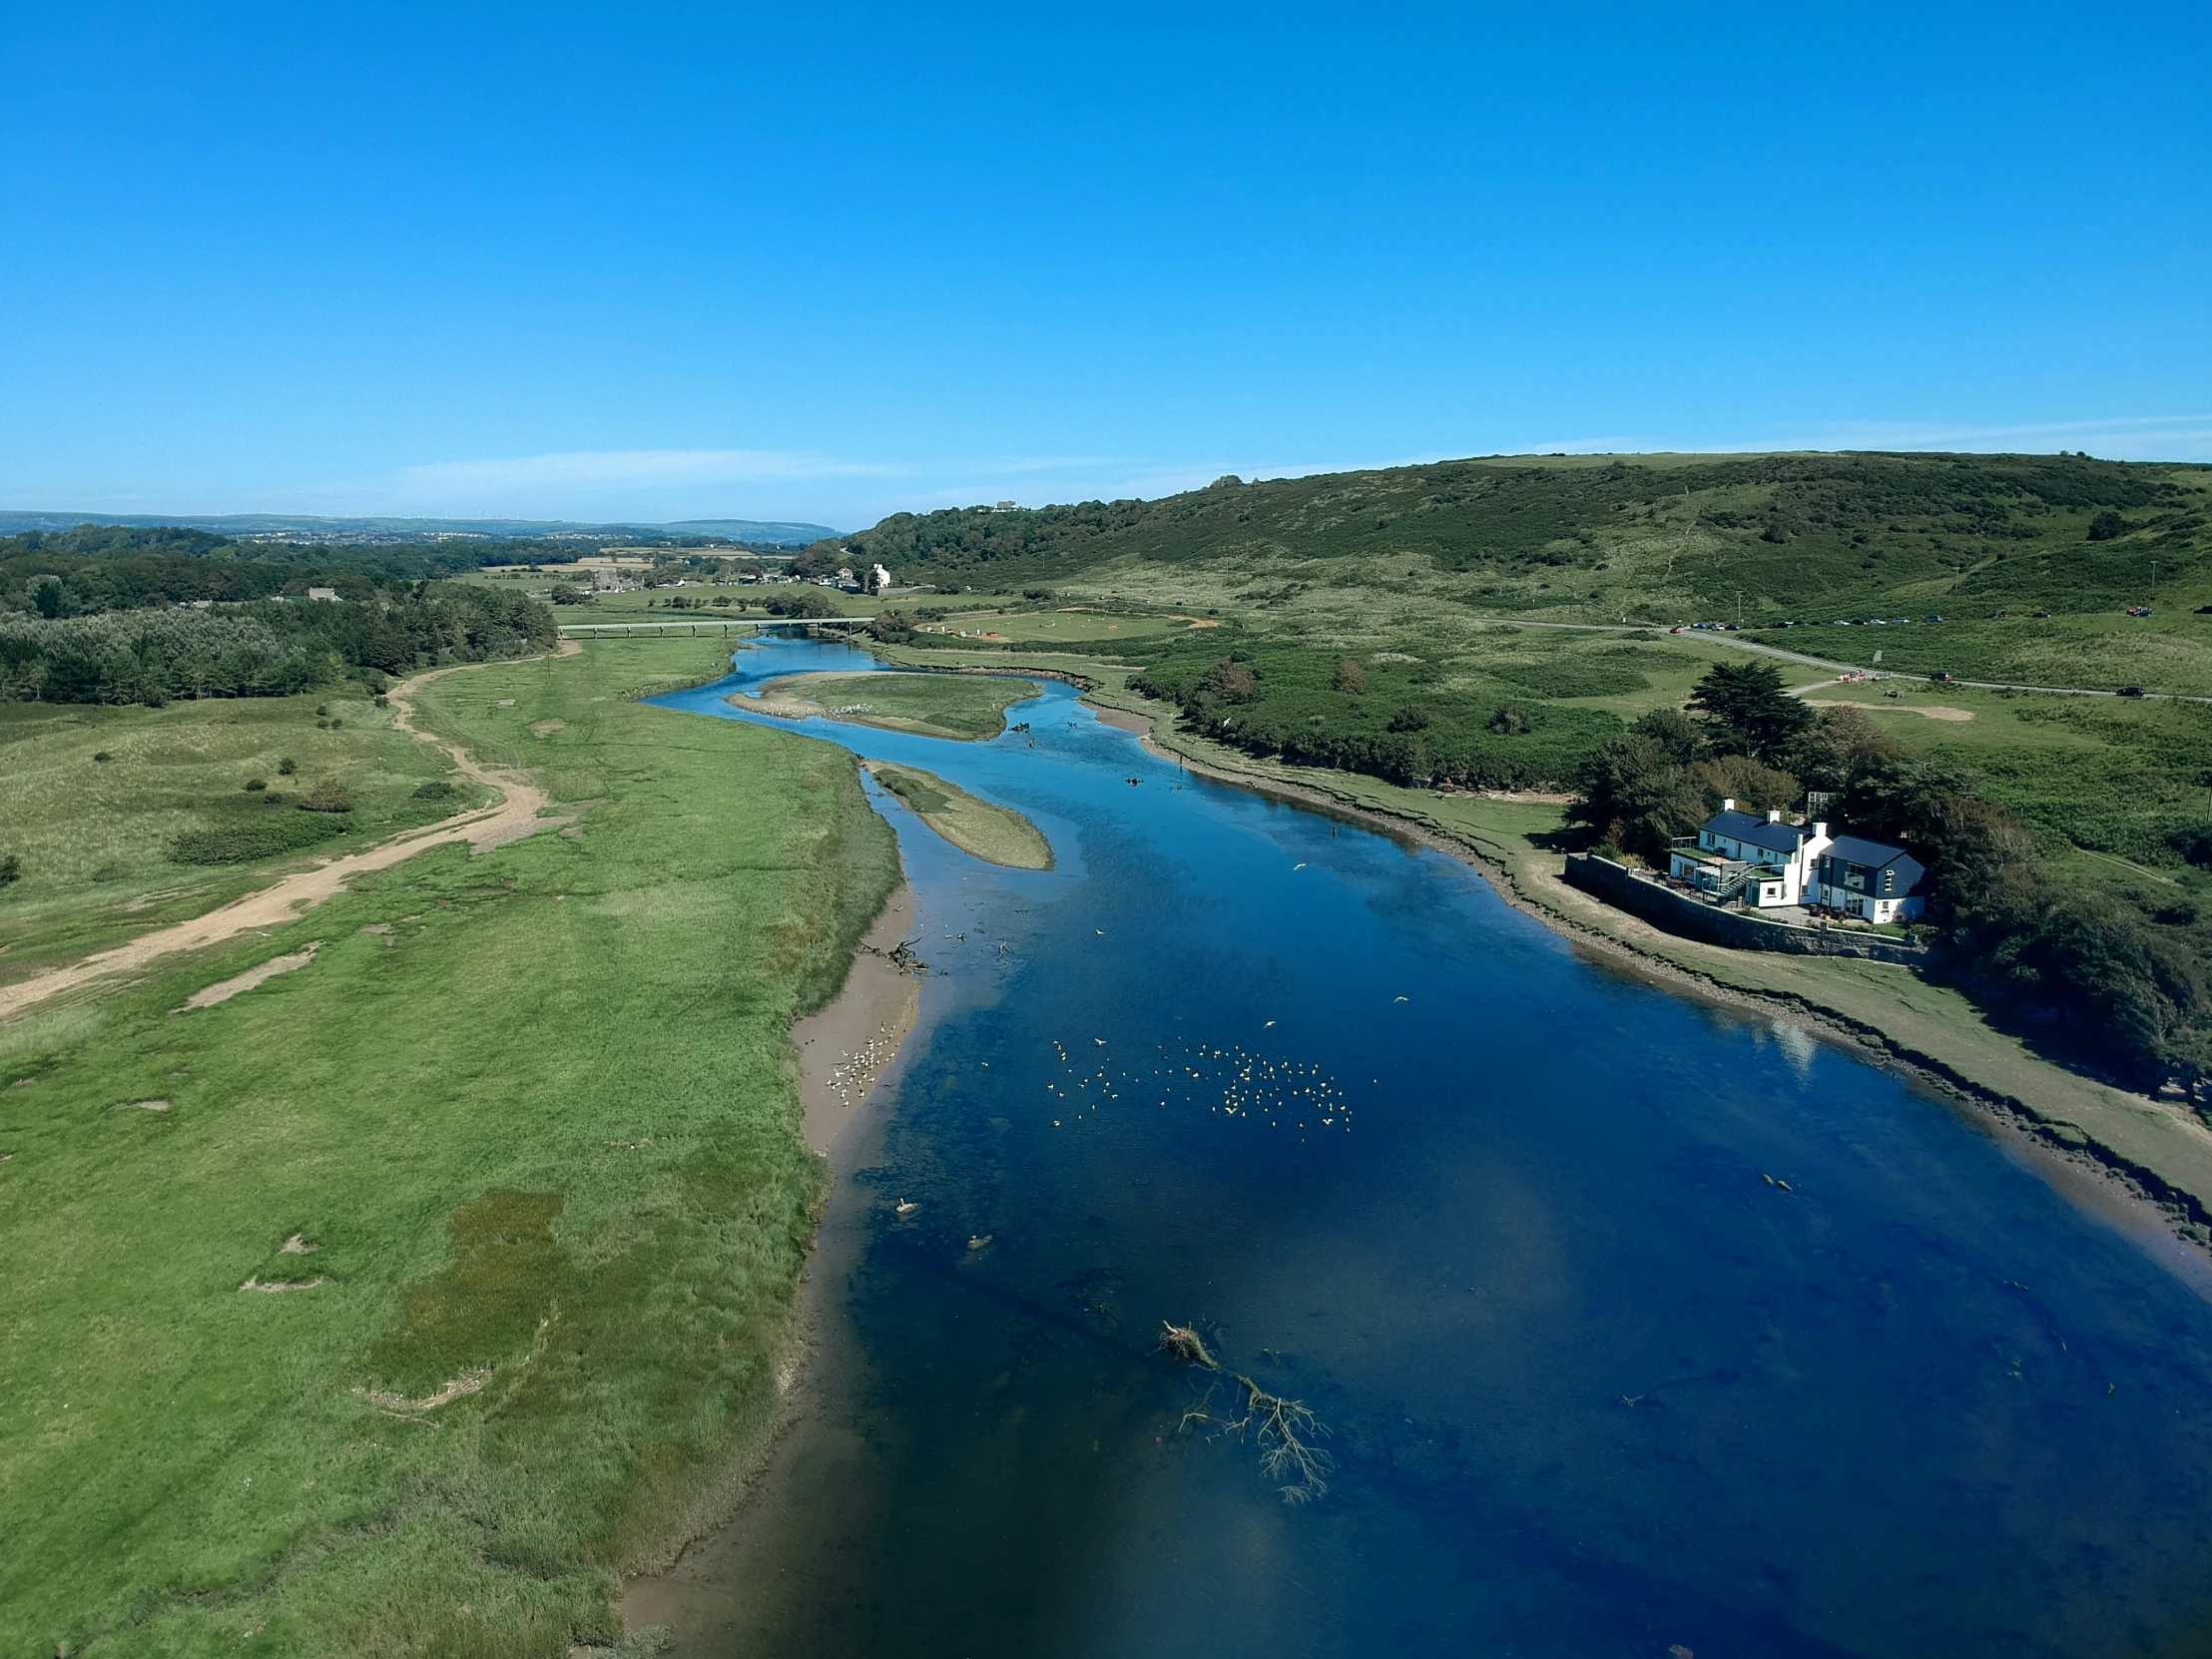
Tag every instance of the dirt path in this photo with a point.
(1927, 711)
(483, 828)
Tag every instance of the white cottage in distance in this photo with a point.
(1773, 865)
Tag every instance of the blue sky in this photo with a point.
(833, 261)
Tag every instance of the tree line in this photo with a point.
(267, 648)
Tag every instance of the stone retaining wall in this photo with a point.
(1677, 913)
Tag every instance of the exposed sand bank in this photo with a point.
(845, 1051)
(700, 1584)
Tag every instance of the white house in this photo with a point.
(1772, 864)
(1769, 861)
(1867, 879)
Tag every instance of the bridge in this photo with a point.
(720, 627)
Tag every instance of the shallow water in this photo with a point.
(1509, 1222)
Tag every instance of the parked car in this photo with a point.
(2133, 690)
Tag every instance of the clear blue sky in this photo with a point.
(825, 262)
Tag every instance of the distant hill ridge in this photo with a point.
(764, 532)
(1645, 538)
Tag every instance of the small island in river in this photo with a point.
(996, 834)
(963, 705)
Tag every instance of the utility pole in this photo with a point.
(2154, 584)
(1739, 608)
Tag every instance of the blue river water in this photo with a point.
(1638, 1324)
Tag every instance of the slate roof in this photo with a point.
(1873, 854)
(1851, 849)
(1742, 826)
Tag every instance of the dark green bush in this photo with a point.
(328, 796)
(437, 789)
(251, 841)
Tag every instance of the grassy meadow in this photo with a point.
(102, 799)
(527, 1124)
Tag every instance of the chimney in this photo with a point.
(1774, 814)
(1728, 804)
(1821, 829)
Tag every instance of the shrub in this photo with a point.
(807, 602)
(1411, 718)
(327, 797)
(11, 869)
(437, 789)
(1230, 681)
(1511, 721)
(2106, 525)
(1351, 677)
(244, 843)
(286, 767)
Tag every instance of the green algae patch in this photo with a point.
(996, 834)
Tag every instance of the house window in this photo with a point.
(1888, 881)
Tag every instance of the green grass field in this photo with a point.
(996, 834)
(96, 836)
(959, 706)
(535, 1112)
(1033, 623)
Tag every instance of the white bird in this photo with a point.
(1401, 999)
(1298, 867)
(1271, 1022)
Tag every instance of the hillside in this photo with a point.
(1659, 539)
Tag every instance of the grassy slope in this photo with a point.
(996, 834)
(1440, 580)
(958, 705)
(94, 835)
(1650, 538)
(548, 1127)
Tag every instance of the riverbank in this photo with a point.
(2156, 1151)
(522, 1141)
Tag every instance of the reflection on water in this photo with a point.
(1637, 1324)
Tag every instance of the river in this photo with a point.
(1637, 1324)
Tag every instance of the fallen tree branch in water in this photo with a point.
(1284, 1430)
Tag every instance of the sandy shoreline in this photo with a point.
(844, 1053)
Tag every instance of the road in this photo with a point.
(1764, 650)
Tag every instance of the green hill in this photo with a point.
(1804, 537)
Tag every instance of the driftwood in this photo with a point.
(1284, 1430)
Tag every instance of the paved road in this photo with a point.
(1764, 650)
